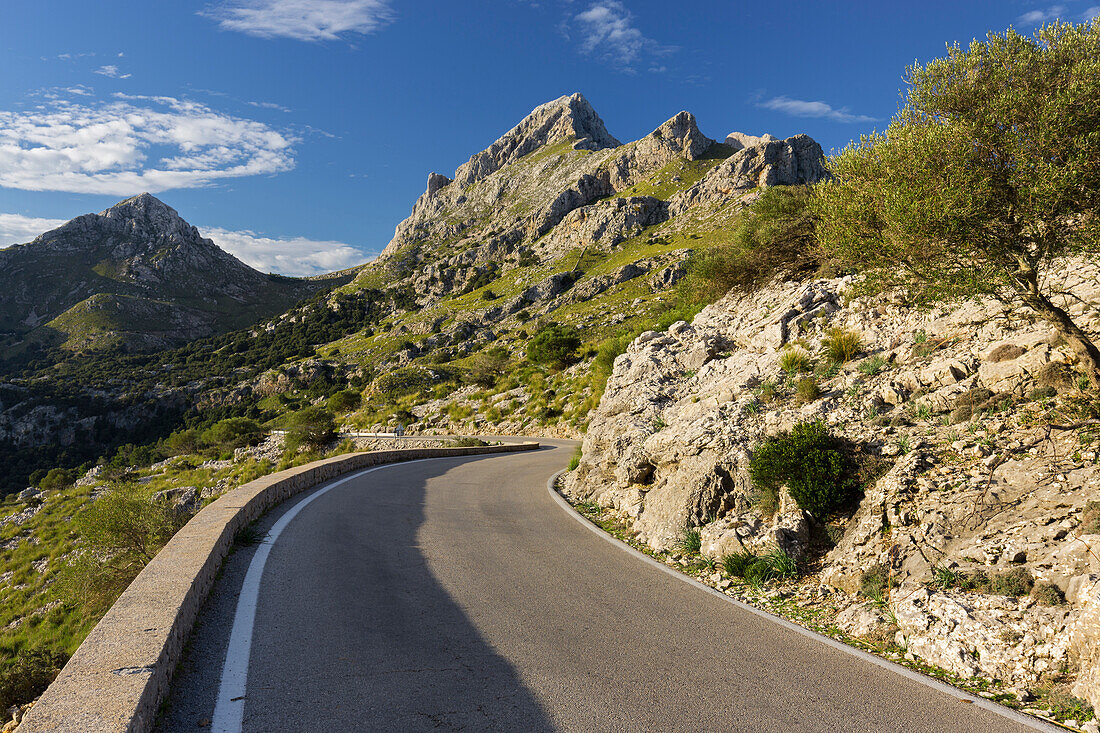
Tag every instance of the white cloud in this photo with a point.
(112, 71)
(133, 144)
(802, 108)
(19, 229)
(607, 31)
(1036, 17)
(1091, 14)
(302, 20)
(288, 256)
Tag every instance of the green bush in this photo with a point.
(775, 565)
(773, 238)
(555, 345)
(236, 432)
(487, 366)
(311, 427)
(118, 534)
(575, 460)
(808, 461)
(345, 400)
(24, 678)
(406, 380)
(57, 478)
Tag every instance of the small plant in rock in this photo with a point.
(794, 360)
(736, 563)
(841, 345)
(1065, 706)
(575, 460)
(768, 391)
(691, 540)
(1090, 518)
(944, 577)
(1015, 582)
(777, 564)
(872, 365)
(875, 582)
(1048, 594)
(807, 391)
(807, 460)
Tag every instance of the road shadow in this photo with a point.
(353, 632)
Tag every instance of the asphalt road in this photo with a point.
(455, 594)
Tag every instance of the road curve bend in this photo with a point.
(455, 594)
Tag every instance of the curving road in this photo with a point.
(456, 594)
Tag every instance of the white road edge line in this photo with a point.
(935, 684)
(229, 708)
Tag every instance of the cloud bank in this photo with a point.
(297, 256)
(821, 110)
(133, 144)
(607, 31)
(301, 20)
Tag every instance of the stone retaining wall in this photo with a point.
(119, 676)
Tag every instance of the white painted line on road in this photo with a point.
(935, 684)
(229, 709)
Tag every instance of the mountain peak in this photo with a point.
(681, 133)
(564, 118)
(147, 215)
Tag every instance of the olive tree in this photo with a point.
(983, 181)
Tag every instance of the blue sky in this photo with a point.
(297, 133)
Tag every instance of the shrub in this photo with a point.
(345, 400)
(118, 534)
(872, 366)
(487, 366)
(773, 238)
(774, 565)
(807, 391)
(1090, 518)
(56, 478)
(794, 360)
(841, 345)
(406, 380)
(488, 294)
(233, 433)
(24, 678)
(555, 345)
(808, 462)
(311, 427)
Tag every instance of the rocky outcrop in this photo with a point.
(758, 163)
(948, 401)
(604, 224)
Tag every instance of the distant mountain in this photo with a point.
(136, 276)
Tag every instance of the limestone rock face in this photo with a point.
(965, 484)
(561, 119)
(739, 140)
(791, 162)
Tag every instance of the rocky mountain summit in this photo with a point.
(136, 275)
(534, 217)
(990, 484)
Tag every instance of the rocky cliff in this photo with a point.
(981, 502)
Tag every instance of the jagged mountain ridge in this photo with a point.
(567, 227)
(135, 274)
